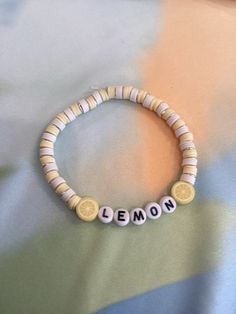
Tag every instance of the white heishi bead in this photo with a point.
(55, 182)
(50, 167)
(84, 105)
(182, 130)
(162, 107)
(138, 216)
(172, 119)
(70, 114)
(59, 124)
(153, 210)
(188, 178)
(119, 92)
(168, 204)
(105, 214)
(134, 94)
(67, 195)
(186, 145)
(189, 161)
(50, 137)
(46, 151)
(147, 101)
(121, 217)
(97, 97)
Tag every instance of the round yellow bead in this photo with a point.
(87, 208)
(183, 192)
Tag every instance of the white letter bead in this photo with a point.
(162, 107)
(153, 210)
(138, 216)
(189, 161)
(188, 178)
(182, 130)
(134, 94)
(172, 119)
(84, 105)
(70, 114)
(168, 204)
(121, 217)
(105, 214)
(147, 101)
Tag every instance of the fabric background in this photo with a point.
(55, 52)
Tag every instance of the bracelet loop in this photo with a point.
(87, 208)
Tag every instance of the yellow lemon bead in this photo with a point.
(183, 192)
(87, 208)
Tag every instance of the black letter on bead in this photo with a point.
(137, 215)
(154, 211)
(103, 213)
(169, 204)
(120, 215)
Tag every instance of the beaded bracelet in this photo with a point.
(87, 208)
